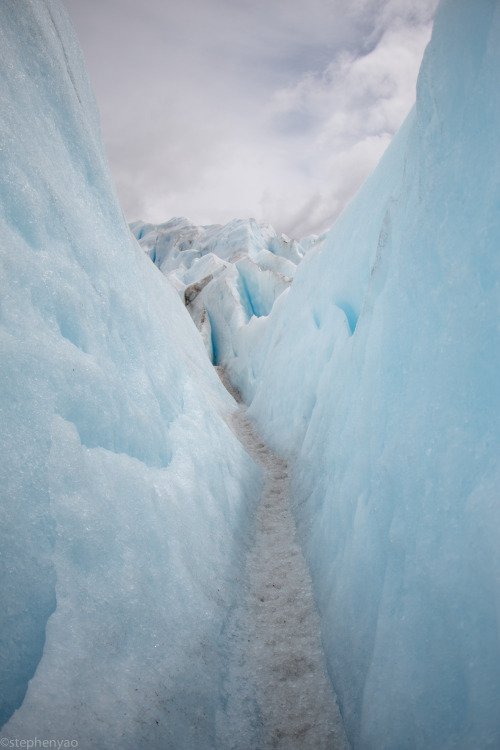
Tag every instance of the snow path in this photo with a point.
(276, 690)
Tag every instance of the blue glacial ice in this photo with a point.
(230, 278)
(126, 500)
(384, 384)
(125, 497)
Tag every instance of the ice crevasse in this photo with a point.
(124, 494)
(392, 410)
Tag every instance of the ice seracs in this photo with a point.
(229, 277)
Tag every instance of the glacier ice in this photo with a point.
(384, 384)
(126, 500)
(230, 278)
(125, 496)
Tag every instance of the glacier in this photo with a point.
(369, 358)
(229, 278)
(383, 386)
(126, 498)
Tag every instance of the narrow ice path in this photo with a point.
(277, 692)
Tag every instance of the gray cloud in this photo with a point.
(277, 109)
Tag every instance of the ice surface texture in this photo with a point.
(124, 493)
(385, 384)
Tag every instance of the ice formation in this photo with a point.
(126, 499)
(384, 384)
(229, 277)
(125, 496)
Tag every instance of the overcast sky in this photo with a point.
(276, 109)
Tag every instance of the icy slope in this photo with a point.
(229, 277)
(384, 383)
(124, 494)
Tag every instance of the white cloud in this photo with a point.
(222, 108)
(350, 111)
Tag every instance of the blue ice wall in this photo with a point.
(395, 423)
(124, 495)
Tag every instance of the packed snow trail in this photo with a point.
(277, 692)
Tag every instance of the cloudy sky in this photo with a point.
(276, 109)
